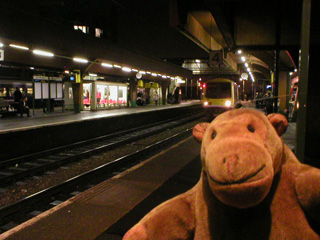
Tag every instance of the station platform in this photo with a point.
(108, 210)
(43, 131)
(40, 119)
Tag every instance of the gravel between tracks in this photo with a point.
(35, 184)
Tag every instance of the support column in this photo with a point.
(133, 92)
(275, 87)
(310, 88)
(77, 93)
(283, 82)
(301, 138)
(93, 106)
(164, 91)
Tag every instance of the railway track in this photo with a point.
(30, 206)
(15, 169)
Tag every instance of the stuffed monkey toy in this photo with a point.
(251, 187)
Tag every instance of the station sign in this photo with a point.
(216, 57)
(55, 78)
(39, 77)
(1, 55)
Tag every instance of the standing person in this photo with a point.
(156, 98)
(17, 95)
(23, 107)
(269, 103)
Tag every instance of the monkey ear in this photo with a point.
(279, 122)
(199, 129)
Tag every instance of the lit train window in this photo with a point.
(29, 91)
(11, 91)
(3, 92)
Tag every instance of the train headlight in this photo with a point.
(227, 103)
(206, 103)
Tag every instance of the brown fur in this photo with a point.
(251, 187)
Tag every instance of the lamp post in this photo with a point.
(244, 77)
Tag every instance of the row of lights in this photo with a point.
(83, 60)
(243, 59)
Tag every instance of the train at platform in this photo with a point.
(220, 95)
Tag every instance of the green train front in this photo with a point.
(220, 95)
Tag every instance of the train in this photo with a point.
(220, 95)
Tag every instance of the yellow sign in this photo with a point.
(78, 76)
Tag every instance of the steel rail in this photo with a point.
(92, 175)
(50, 162)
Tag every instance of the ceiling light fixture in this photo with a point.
(126, 69)
(43, 53)
(107, 65)
(18, 46)
(243, 59)
(81, 60)
(117, 66)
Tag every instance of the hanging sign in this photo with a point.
(1, 55)
(216, 57)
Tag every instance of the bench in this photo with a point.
(8, 113)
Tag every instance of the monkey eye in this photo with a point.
(251, 128)
(214, 134)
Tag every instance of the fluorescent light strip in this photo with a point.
(107, 65)
(43, 53)
(126, 69)
(135, 70)
(148, 72)
(18, 46)
(117, 66)
(82, 60)
(142, 72)
(93, 75)
(154, 74)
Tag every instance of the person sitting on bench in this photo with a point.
(23, 107)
